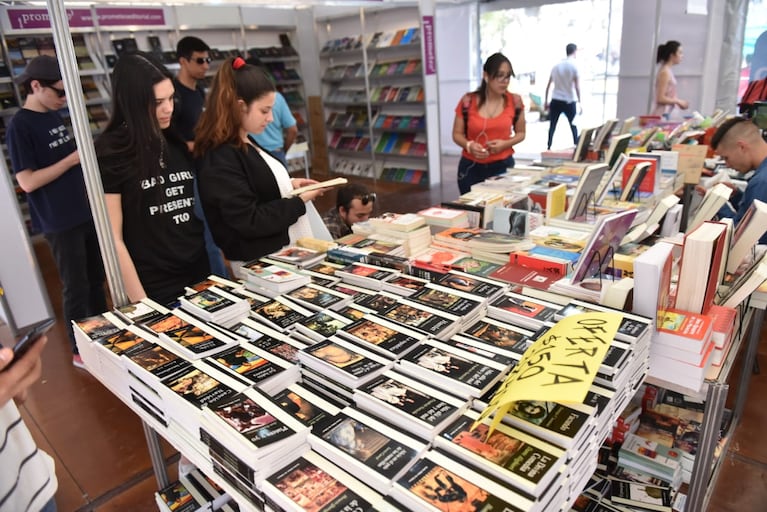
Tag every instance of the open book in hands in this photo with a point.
(314, 186)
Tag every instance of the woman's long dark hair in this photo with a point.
(133, 136)
(665, 51)
(491, 67)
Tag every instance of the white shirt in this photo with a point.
(27, 478)
(563, 76)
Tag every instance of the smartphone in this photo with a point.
(30, 336)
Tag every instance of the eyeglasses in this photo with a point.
(59, 92)
(500, 77)
(202, 60)
(367, 198)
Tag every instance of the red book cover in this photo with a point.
(684, 330)
(547, 266)
(511, 273)
(722, 324)
(648, 182)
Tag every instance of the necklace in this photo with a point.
(162, 163)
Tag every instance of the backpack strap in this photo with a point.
(518, 106)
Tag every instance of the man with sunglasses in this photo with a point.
(189, 96)
(354, 203)
(46, 163)
(194, 61)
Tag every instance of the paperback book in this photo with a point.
(343, 362)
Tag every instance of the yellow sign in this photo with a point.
(560, 366)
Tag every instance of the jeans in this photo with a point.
(471, 172)
(557, 107)
(215, 257)
(50, 506)
(78, 259)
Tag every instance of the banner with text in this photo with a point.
(560, 366)
(38, 18)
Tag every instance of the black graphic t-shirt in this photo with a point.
(160, 230)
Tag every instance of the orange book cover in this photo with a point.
(548, 266)
(397, 37)
(684, 330)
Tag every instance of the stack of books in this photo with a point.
(268, 279)
(439, 219)
(215, 305)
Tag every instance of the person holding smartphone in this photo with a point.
(28, 479)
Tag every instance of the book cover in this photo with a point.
(525, 276)
(604, 241)
(380, 336)
(640, 495)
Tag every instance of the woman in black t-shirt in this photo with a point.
(148, 178)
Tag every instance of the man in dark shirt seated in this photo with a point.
(739, 142)
(353, 204)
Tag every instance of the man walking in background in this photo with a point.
(567, 91)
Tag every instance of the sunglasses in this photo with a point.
(367, 198)
(202, 60)
(59, 92)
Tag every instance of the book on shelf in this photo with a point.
(522, 310)
(584, 143)
(344, 362)
(548, 200)
(585, 192)
(640, 495)
(280, 313)
(750, 280)
(604, 242)
(465, 374)
(635, 174)
(641, 231)
(619, 143)
(374, 451)
(435, 476)
(716, 197)
(382, 336)
(175, 497)
(749, 230)
(653, 268)
(515, 221)
(684, 330)
(303, 405)
(702, 266)
(312, 479)
(415, 407)
(651, 457)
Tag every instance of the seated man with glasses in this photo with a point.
(47, 167)
(739, 142)
(354, 203)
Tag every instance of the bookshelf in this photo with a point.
(373, 97)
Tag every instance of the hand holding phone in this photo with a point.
(17, 374)
(30, 336)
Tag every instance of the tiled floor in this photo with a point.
(99, 446)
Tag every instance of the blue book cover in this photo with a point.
(407, 38)
(555, 253)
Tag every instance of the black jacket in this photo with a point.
(245, 211)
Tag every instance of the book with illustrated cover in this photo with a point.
(176, 498)
(520, 460)
(522, 310)
(375, 452)
(139, 312)
(343, 362)
(384, 337)
(461, 372)
(97, 327)
(404, 285)
(499, 337)
(415, 407)
(640, 495)
(249, 366)
(154, 364)
(423, 319)
(123, 341)
(604, 241)
(439, 483)
(194, 341)
(207, 300)
(449, 300)
(313, 483)
(304, 405)
(318, 298)
(280, 314)
(563, 425)
(299, 257)
(475, 285)
(198, 387)
(631, 328)
(321, 325)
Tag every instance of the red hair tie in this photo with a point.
(238, 62)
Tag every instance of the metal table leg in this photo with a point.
(155, 454)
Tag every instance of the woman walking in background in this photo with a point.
(488, 123)
(245, 191)
(666, 100)
(148, 177)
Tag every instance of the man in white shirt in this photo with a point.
(567, 91)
